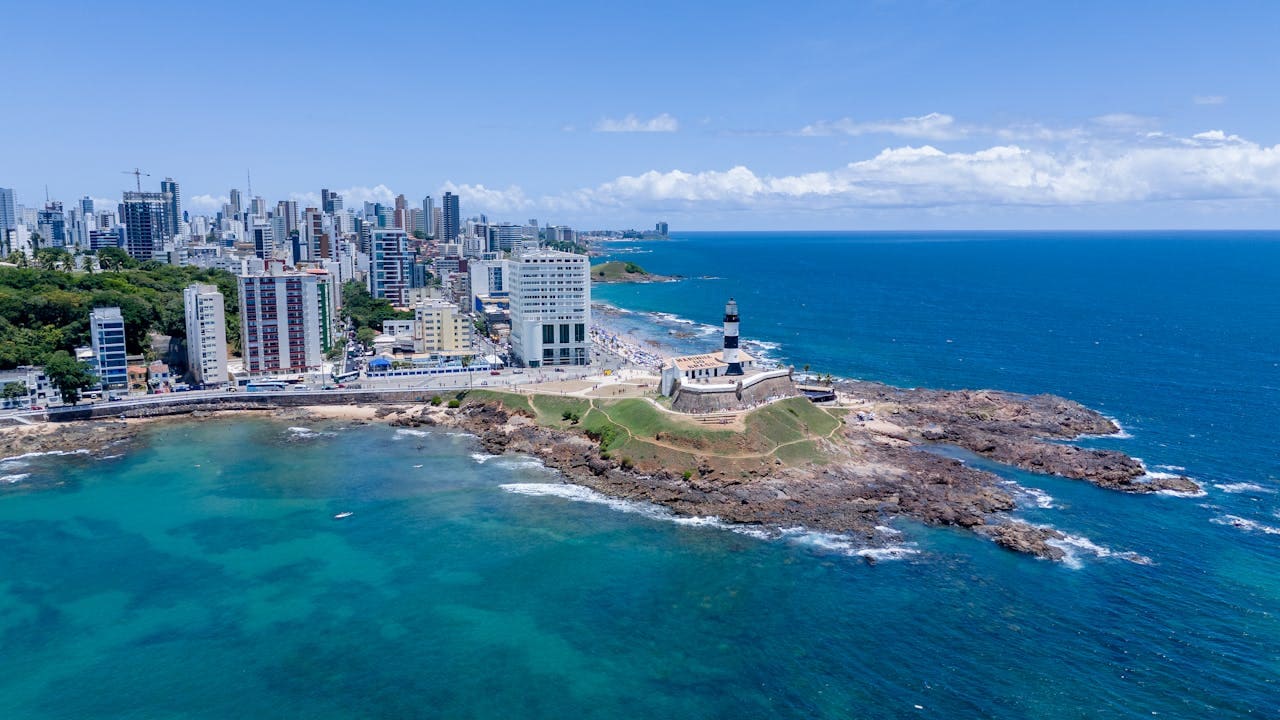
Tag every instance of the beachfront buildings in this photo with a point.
(439, 328)
(550, 294)
(286, 320)
(106, 338)
(206, 334)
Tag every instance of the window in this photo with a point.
(564, 334)
(579, 332)
(548, 334)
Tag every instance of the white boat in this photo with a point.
(342, 515)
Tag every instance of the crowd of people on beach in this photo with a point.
(626, 349)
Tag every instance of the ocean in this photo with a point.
(201, 573)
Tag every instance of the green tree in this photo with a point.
(13, 390)
(365, 336)
(114, 258)
(419, 235)
(69, 375)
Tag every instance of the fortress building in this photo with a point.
(725, 380)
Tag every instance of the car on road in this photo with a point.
(494, 372)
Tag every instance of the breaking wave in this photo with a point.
(828, 542)
(1076, 545)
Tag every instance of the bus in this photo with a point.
(345, 376)
(266, 386)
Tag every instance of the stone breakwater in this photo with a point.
(874, 470)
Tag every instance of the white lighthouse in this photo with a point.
(730, 355)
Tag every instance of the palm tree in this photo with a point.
(466, 363)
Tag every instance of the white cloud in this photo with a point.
(205, 204)
(1125, 122)
(478, 198)
(1208, 99)
(631, 123)
(1209, 166)
(934, 126)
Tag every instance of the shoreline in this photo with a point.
(867, 474)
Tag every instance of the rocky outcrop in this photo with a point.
(1024, 431)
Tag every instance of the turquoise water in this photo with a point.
(201, 574)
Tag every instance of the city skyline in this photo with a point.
(879, 116)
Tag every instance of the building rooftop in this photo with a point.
(709, 361)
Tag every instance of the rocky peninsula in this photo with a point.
(785, 466)
(847, 469)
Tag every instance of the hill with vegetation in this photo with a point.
(617, 271)
(45, 303)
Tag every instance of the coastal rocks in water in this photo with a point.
(91, 437)
(1016, 430)
(1026, 538)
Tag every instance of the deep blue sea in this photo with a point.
(201, 573)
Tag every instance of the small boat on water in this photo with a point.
(342, 515)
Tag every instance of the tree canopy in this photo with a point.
(69, 375)
(44, 309)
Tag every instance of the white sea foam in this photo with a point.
(524, 463)
(1171, 468)
(1243, 487)
(112, 457)
(1030, 495)
(1074, 545)
(410, 432)
(27, 456)
(482, 458)
(828, 542)
(1245, 524)
(15, 478)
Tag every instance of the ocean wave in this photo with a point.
(1243, 487)
(1245, 524)
(523, 463)
(14, 478)
(1031, 496)
(410, 432)
(305, 433)
(828, 542)
(482, 458)
(28, 456)
(1236, 521)
(1074, 545)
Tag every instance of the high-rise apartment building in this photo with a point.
(450, 220)
(8, 213)
(206, 334)
(144, 217)
(389, 271)
(286, 320)
(51, 223)
(106, 337)
(428, 216)
(172, 206)
(550, 295)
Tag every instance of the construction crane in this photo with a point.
(137, 175)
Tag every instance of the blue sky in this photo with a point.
(709, 115)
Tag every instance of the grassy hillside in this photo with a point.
(618, 271)
(634, 429)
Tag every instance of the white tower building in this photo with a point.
(730, 356)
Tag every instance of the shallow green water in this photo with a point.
(202, 575)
